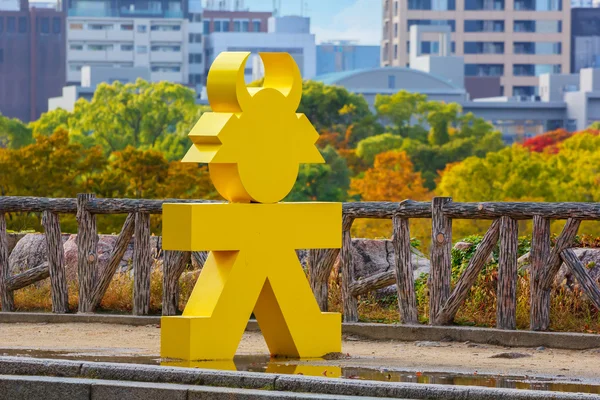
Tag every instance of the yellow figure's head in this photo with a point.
(254, 141)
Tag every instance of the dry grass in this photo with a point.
(570, 309)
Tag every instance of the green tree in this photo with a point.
(513, 173)
(135, 114)
(327, 106)
(368, 148)
(402, 110)
(325, 182)
(50, 121)
(13, 133)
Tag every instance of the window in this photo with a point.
(395, 29)
(237, 26)
(195, 58)
(100, 27)
(165, 68)
(23, 24)
(437, 5)
(538, 5)
(74, 67)
(206, 27)
(484, 69)
(1, 56)
(245, 26)
(166, 48)
(126, 27)
(537, 48)
(449, 22)
(538, 26)
(221, 25)
(142, 28)
(126, 47)
(76, 27)
(56, 25)
(484, 25)
(1, 24)
(197, 17)
(195, 79)
(166, 28)
(100, 47)
(44, 25)
(255, 26)
(524, 90)
(535, 69)
(385, 52)
(141, 49)
(488, 5)
(76, 46)
(391, 81)
(395, 52)
(396, 8)
(484, 48)
(11, 24)
(195, 38)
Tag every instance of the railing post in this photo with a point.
(506, 305)
(87, 248)
(116, 256)
(142, 264)
(320, 264)
(6, 296)
(539, 297)
(350, 303)
(174, 263)
(56, 262)
(441, 262)
(405, 283)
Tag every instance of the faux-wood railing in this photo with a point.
(444, 301)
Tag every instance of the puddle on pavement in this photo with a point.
(295, 367)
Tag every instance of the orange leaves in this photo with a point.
(392, 178)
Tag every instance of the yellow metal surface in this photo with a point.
(253, 142)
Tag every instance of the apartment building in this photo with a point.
(344, 55)
(515, 40)
(32, 58)
(129, 33)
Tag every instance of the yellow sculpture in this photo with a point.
(253, 142)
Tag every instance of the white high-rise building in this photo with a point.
(130, 33)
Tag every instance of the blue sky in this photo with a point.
(333, 19)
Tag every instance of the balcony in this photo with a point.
(166, 56)
(166, 36)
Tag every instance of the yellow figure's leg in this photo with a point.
(288, 314)
(217, 312)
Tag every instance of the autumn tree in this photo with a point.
(392, 178)
(402, 110)
(547, 141)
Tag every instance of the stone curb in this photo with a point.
(272, 382)
(556, 340)
(51, 388)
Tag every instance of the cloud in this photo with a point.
(360, 21)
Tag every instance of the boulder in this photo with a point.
(29, 252)
(373, 256)
(13, 239)
(463, 246)
(589, 257)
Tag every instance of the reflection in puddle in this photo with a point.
(319, 368)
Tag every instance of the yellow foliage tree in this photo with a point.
(392, 178)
